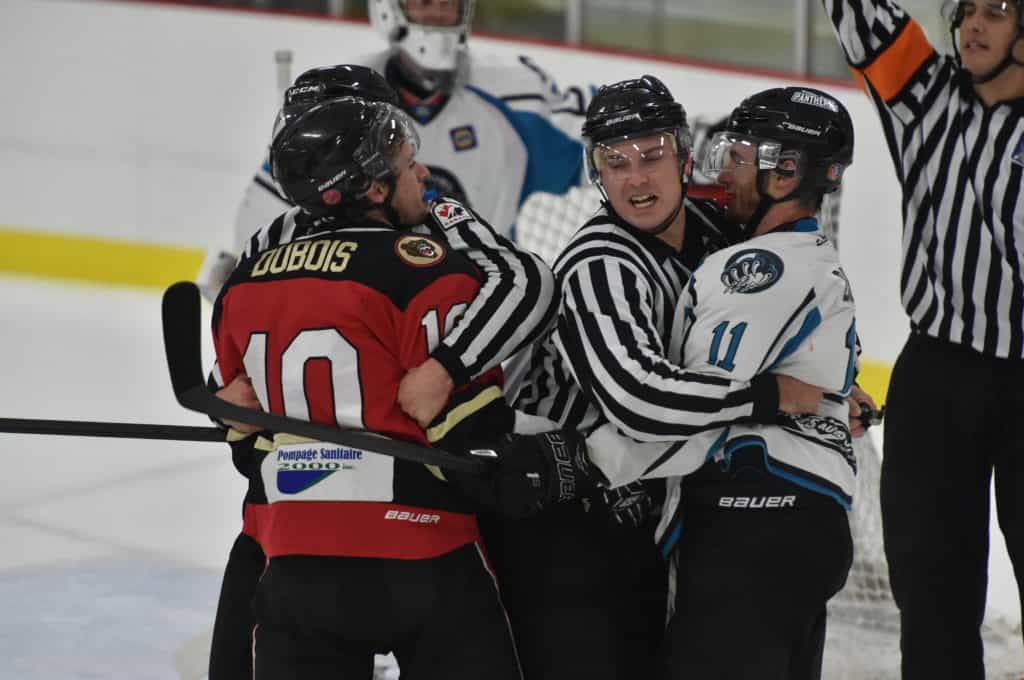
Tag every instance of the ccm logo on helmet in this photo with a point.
(414, 517)
(756, 502)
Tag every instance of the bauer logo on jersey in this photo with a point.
(420, 251)
(463, 137)
(448, 214)
(751, 271)
(815, 99)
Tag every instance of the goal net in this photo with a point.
(863, 625)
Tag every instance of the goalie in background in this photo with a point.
(480, 117)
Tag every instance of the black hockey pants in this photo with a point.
(750, 584)
(326, 617)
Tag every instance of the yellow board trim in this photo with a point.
(95, 259)
(874, 379)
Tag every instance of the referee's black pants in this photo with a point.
(953, 416)
(586, 598)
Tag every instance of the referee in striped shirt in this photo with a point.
(586, 596)
(955, 129)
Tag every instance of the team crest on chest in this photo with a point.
(751, 271)
(463, 137)
(420, 251)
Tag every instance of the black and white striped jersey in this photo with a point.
(604, 361)
(960, 165)
(515, 305)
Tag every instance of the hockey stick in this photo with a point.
(184, 359)
(83, 428)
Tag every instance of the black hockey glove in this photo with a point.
(628, 506)
(532, 472)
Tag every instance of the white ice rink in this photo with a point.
(111, 550)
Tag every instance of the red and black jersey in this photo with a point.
(326, 326)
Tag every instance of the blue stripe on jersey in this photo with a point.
(802, 482)
(554, 159)
(811, 321)
(669, 542)
(266, 166)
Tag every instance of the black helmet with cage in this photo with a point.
(955, 11)
(632, 109)
(327, 159)
(799, 125)
(317, 85)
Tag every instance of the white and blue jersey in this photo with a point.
(778, 303)
(504, 133)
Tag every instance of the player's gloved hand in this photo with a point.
(532, 472)
(628, 506)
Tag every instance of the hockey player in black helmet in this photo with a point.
(346, 160)
(318, 85)
(366, 171)
(744, 499)
(792, 142)
(583, 583)
(340, 312)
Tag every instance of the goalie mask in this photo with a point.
(789, 131)
(329, 157)
(431, 33)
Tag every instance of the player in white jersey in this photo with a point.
(757, 530)
(493, 130)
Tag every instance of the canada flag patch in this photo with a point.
(449, 213)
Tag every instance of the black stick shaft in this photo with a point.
(83, 428)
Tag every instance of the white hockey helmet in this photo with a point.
(432, 47)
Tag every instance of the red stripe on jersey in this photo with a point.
(357, 529)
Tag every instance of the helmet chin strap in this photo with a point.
(765, 204)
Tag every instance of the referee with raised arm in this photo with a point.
(955, 128)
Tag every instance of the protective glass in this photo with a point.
(728, 150)
(622, 156)
(435, 12)
(955, 11)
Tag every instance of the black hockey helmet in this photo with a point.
(328, 158)
(632, 108)
(800, 124)
(954, 12)
(317, 85)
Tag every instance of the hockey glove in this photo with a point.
(533, 472)
(628, 506)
